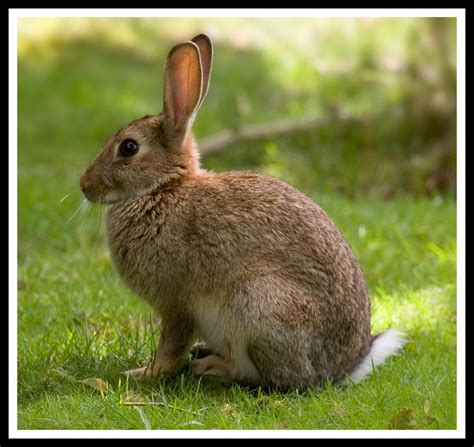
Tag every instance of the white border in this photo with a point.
(320, 434)
(236, 12)
(12, 227)
(461, 221)
(14, 14)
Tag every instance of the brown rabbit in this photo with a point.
(242, 261)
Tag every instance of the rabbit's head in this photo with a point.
(154, 150)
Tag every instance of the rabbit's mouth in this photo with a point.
(99, 190)
(92, 195)
(112, 197)
(107, 199)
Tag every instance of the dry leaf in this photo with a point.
(283, 425)
(404, 419)
(96, 383)
(426, 410)
(426, 407)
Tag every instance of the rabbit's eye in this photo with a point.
(128, 148)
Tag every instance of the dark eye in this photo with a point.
(128, 148)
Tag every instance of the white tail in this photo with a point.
(385, 345)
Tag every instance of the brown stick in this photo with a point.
(221, 140)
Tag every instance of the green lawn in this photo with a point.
(79, 327)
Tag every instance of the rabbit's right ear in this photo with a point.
(182, 91)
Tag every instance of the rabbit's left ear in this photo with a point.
(182, 90)
(204, 42)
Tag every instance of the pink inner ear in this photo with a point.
(180, 95)
(183, 85)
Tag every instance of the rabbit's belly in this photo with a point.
(226, 339)
(210, 326)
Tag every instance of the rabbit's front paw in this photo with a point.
(143, 373)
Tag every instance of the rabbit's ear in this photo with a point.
(204, 42)
(182, 89)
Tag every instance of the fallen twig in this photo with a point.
(221, 140)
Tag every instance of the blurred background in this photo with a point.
(369, 112)
(382, 92)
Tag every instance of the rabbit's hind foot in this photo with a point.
(213, 365)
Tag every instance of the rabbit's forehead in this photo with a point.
(142, 130)
(139, 128)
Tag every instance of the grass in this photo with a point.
(77, 322)
(79, 327)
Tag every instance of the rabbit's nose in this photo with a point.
(84, 184)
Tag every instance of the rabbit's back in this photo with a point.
(239, 222)
(214, 228)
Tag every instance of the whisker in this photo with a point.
(82, 229)
(78, 209)
(88, 211)
(92, 251)
(65, 197)
(97, 234)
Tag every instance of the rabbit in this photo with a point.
(244, 262)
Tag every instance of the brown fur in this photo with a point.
(245, 262)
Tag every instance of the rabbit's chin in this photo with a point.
(110, 198)
(118, 196)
